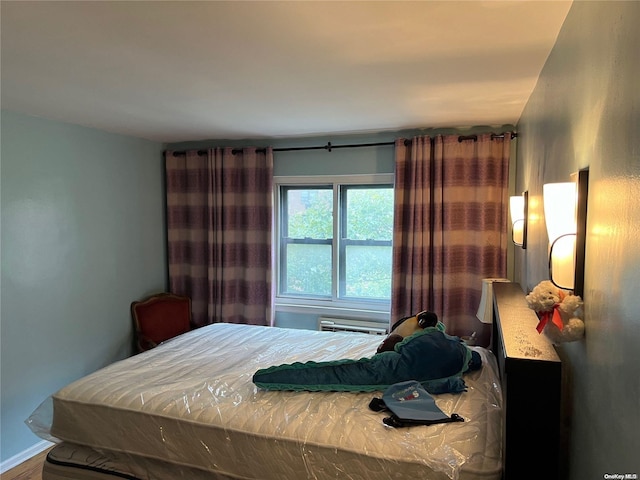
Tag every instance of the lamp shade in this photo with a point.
(485, 308)
(516, 210)
(560, 201)
(560, 209)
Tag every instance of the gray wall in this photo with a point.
(82, 236)
(585, 112)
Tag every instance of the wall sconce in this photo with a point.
(518, 208)
(565, 212)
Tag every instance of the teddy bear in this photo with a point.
(560, 312)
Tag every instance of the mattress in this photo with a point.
(191, 403)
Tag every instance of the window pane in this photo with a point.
(368, 272)
(308, 270)
(367, 234)
(369, 213)
(310, 213)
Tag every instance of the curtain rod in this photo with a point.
(462, 138)
(329, 147)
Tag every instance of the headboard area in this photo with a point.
(531, 376)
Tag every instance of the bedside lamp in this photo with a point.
(485, 308)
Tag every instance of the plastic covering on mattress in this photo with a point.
(191, 402)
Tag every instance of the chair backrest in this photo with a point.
(160, 317)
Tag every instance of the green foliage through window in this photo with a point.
(362, 255)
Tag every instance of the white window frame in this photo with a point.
(360, 308)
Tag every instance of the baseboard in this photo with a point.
(18, 458)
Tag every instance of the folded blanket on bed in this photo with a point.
(431, 357)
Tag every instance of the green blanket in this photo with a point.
(431, 357)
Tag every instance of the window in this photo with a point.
(334, 241)
(365, 241)
(306, 241)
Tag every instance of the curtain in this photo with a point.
(411, 278)
(219, 233)
(450, 225)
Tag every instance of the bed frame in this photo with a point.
(531, 376)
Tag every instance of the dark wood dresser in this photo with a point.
(531, 375)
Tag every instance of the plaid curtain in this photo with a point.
(219, 231)
(450, 225)
(411, 279)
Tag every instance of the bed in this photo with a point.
(189, 409)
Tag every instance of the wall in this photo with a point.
(585, 112)
(82, 236)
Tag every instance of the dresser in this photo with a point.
(531, 376)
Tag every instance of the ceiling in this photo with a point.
(177, 71)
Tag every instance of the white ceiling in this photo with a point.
(176, 71)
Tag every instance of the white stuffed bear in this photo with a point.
(560, 312)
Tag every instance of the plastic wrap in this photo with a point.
(191, 402)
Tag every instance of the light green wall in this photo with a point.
(585, 112)
(82, 236)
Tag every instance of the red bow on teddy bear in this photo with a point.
(553, 315)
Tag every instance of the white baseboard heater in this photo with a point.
(331, 324)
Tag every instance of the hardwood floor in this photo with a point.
(29, 470)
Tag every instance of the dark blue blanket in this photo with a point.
(431, 357)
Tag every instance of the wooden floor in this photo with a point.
(29, 470)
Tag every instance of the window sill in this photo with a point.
(355, 311)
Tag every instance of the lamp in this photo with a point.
(565, 212)
(518, 208)
(485, 309)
